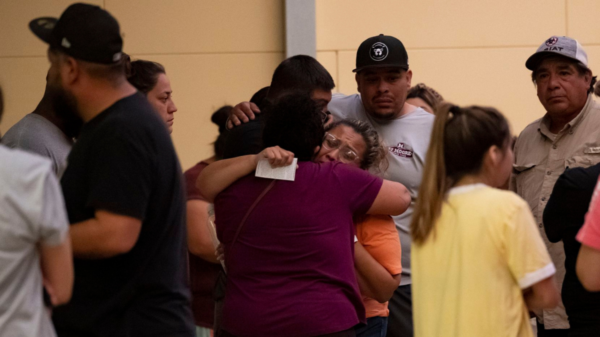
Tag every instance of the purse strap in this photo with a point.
(267, 189)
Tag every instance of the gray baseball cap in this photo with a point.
(558, 45)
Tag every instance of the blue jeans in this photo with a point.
(376, 327)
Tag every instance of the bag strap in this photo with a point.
(250, 211)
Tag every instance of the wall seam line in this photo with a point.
(567, 17)
(337, 70)
(161, 54)
(458, 48)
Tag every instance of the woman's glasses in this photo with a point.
(347, 155)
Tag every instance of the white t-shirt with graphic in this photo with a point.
(407, 139)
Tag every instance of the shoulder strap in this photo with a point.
(237, 233)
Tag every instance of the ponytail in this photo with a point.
(459, 141)
(434, 182)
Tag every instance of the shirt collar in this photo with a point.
(466, 188)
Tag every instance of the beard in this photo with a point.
(65, 108)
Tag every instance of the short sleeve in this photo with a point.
(191, 191)
(121, 177)
(358, 186)
(589, 234)
(53, 222)
(377, 233)
(527, 257)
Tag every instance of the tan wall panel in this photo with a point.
(329, 60)
(346, 62)
(344, 24)
(582, 20)
(199, 26)
(494, 77)
(15, 37)
(204, 83)
(593, 53)
(23, 81)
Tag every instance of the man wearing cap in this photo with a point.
(566, 137)
(122, 189)
(384, 78)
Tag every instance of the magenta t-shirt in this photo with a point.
(291, 270)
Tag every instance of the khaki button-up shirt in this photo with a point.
(540, 158)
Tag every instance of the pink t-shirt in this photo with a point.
(291, 270)
(589, 234)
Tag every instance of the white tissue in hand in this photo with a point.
(264, 170)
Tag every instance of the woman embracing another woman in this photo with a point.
(289, 245)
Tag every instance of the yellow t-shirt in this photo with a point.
(469, 274)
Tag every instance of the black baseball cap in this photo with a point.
(381, 51)
(85, 32)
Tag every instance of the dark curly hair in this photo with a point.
(375, 157)
(143, 75)
(294, 123)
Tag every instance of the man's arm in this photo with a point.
(57, 270)
(588, 268)
(242, 113)
(105, 235)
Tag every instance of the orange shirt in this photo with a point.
(377, 233)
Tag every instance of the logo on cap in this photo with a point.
(45, 24)
(551, 41)
(65, 43)
(379, 51)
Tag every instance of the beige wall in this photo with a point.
(215, 53)
(471, 51)
(220, 51)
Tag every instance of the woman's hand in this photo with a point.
(276, 156)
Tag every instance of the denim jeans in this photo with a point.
(376, 327)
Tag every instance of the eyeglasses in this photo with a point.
(347, 155)
(324, 116)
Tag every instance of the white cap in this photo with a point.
(559, 45)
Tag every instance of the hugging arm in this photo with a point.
(216, 177)
(373, 279)
(393, 199)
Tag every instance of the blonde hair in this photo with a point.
(459, 141)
